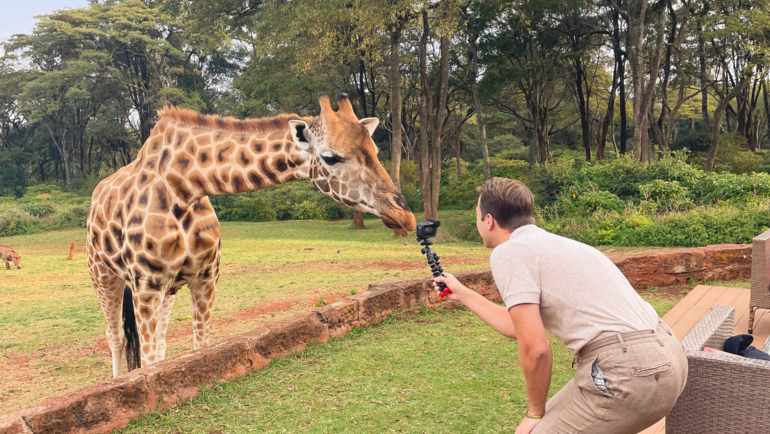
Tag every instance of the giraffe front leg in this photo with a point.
(202, 294)
(163, 319)
(147, 305)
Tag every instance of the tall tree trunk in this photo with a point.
(438, 124)
(620, 64)
(425, 108)
(472, 77)
(433, 121)
(583, 106)
(643, 92)
(358, 219)
(395, 107)
(457, 156)
(362, 87)
(767, 108)
(704, 105)
(718, 121)
(90, 149)
(61, 146)
(608, 117)
(395, 113)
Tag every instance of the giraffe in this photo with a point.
(151, 228)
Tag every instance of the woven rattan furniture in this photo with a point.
(760, 276)
(724, 394)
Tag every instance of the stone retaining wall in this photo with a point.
(115, 402)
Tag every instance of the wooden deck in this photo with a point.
(698, 303)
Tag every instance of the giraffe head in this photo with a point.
(344, 164)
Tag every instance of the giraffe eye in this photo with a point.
(331, 160)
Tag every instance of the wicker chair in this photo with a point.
(724, 394)
(760, 276)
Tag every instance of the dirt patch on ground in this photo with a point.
(234, 268)
(263, 309)
(381, 265)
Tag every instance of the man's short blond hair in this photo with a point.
(509, 201)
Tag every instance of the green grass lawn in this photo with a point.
(430, 372)
(52, 329)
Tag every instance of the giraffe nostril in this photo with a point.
(399, 199)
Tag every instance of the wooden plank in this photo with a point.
(698, 311)
(681, 308)
(730, 297)
(741, 306)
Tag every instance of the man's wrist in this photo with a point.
(534, 414)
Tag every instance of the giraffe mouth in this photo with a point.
(390, 224)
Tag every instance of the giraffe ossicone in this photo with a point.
(151, 225)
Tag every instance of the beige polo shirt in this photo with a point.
(581, 293)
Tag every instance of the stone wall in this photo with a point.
(113, 403)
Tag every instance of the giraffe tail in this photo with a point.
(133, 357)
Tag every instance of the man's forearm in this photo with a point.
(493, 314)
(537, 366)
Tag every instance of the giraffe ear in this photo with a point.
(300, 133)
(370, 124)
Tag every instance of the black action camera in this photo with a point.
(427, 229)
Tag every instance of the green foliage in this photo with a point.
(668, 195)
(590, 202)
(72, 216)
(623, 202)
(37, 208)
(460, 193)
(697, 141)
(734, 156)
(17, 222)
(42, 208)
(297, 200)
(240, 207)
(321, 302)
(468, 230)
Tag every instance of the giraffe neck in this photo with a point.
(197, 162)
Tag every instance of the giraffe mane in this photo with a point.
(230, 124)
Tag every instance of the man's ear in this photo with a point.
(370, 124)
(490, 221)
(301, 134)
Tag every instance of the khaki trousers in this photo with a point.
(645, 370)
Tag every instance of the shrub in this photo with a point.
(73, 216)
(17, 222)
(242, 208)
(668, 195)
(696, 141)
(38, 208)
(590, 202)
(308, 210)
(468, 230)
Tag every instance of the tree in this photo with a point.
(526, 64)
(476, 16)
(433, 112)
(636, 15)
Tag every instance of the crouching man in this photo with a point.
(630, 367)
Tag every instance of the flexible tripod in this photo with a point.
(435, 265)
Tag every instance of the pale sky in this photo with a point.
(18, 16)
